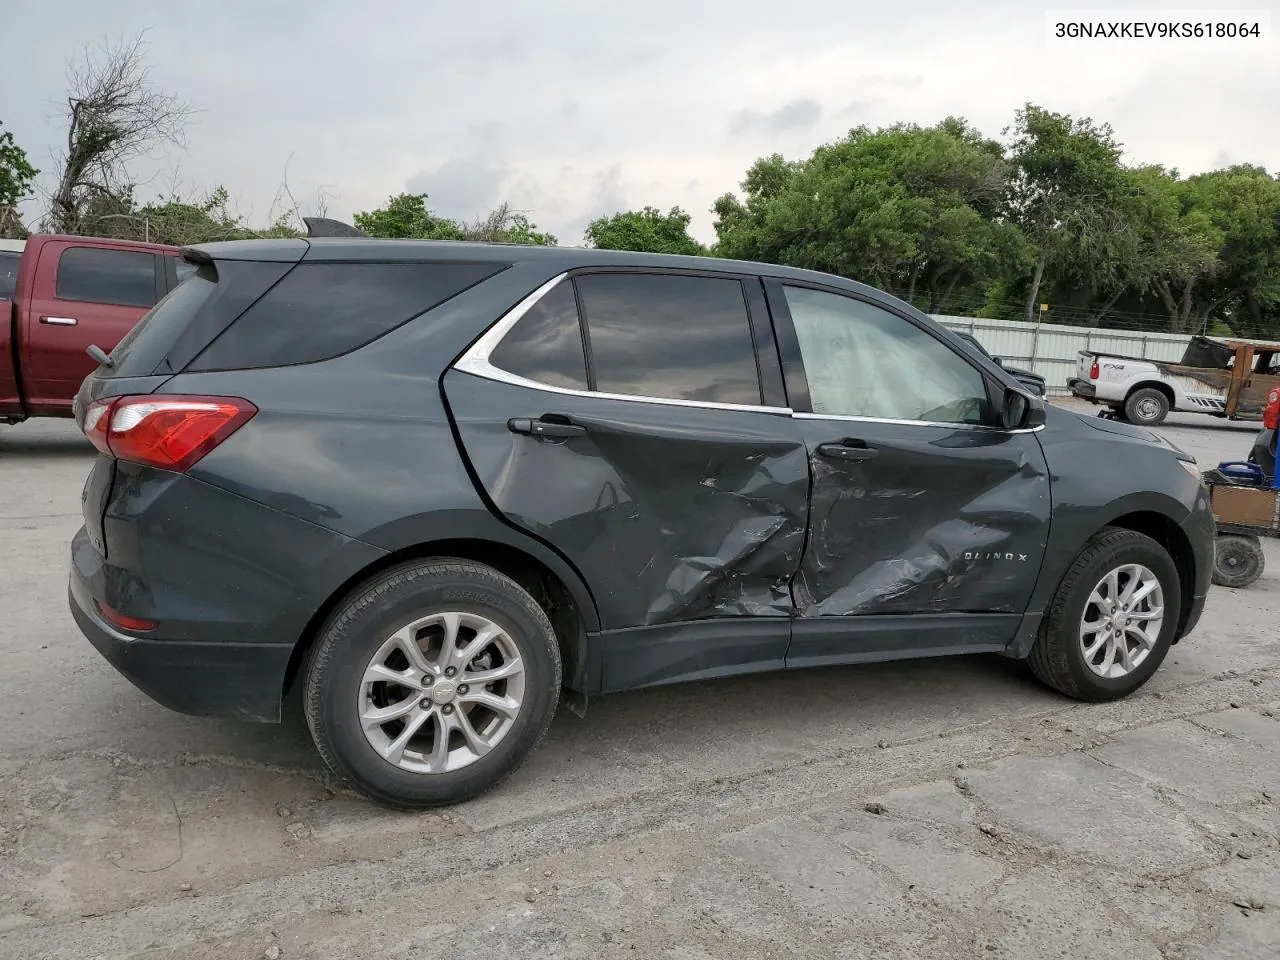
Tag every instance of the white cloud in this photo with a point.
(572, 109)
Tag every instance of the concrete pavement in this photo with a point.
(946, 808)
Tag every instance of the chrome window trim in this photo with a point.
(914, 423)
(476, 361)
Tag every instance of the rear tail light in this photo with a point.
(1093, 371)
(167, 432)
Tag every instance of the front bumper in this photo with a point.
(244, 681)
(1201, 530)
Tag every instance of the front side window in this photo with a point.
(123, 278)
(545, 345)
(670, 337)
(863, 361)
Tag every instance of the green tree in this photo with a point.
(1067, 183)
(16, 176)
(648, 230)
(172, 220)
(504, 225)
(917, 210)
(406, 217)
(1233, 218)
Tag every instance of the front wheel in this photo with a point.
(432, 683)
(1112, 619)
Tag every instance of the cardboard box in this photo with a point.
(1246, 506)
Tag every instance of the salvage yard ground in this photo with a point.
(943, 808)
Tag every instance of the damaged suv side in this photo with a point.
(445, 486)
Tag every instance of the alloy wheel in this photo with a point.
(1122, 620)
(441, 692)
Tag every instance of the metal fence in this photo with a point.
(1051, 349)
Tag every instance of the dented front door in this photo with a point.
(927, 526)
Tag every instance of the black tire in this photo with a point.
(375, 611)
(1057, 658)
(1146, 407)
(1238, 560)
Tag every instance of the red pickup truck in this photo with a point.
(71, 292)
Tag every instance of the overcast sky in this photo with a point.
(571, 108)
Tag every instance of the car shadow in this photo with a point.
(796, 713)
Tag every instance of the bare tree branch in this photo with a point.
(114, 116)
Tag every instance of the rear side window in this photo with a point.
(322, 310)
(545, 345)
(670, 337)
(123, 278)
(8, 273)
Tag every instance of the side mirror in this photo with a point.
(1021, 411)
(998, 362)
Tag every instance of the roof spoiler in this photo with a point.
(324, 227)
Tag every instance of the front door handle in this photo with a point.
(60, 321)
(848, 449)
(544, 427)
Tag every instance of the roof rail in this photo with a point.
(324, 227)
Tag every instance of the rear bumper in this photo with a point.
(232, 584)
(212, 679)
(1083, 389)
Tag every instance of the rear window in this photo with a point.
(322, 310)
(123, 278)
(162, 324)
(8, 273)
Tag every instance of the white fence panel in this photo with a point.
(1050, 349)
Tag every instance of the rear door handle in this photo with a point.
(60, 321)
(848, 449)
(542, 427)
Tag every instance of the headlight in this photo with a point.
(1191, 467)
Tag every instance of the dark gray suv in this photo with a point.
(445, 486)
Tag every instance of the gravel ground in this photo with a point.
(943, 808)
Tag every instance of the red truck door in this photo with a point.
(84, 293)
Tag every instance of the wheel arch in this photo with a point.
(1167, 532)
(1156, 516)
(568, 605)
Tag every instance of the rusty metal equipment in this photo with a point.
(1246, 506)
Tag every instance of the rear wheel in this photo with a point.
(1238, 560)
(1112, 620)
(1146, 407)
(432, 683)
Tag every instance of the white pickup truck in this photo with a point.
(1221, 377)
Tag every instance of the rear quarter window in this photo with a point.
(323, 310)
